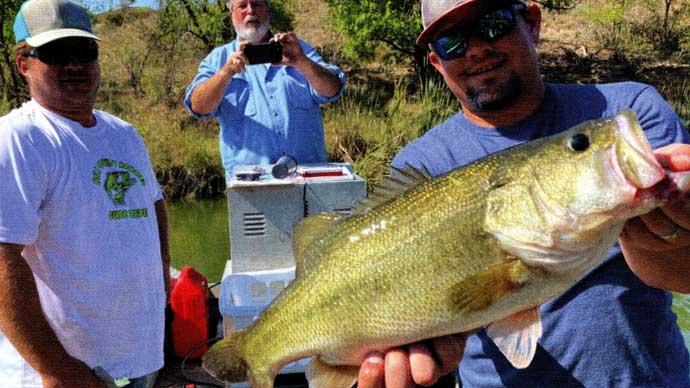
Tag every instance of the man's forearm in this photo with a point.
(207, 96)
(325, 82)
(21, 316)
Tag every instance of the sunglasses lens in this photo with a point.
(496, 24)
(57, 54)
(451, 46)
(490, 27)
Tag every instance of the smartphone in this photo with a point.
(271, 52)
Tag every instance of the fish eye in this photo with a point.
(579, 142)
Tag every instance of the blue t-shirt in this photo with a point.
(267, 111)
(610, 329)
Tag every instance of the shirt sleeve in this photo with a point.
(24, 184)
(207, 69)
(312, 54)
(660, 122)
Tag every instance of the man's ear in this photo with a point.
(22, 62)
(435, 60)
(532, 16)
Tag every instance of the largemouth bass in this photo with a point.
(482, 246)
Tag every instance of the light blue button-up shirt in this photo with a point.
(267, 111)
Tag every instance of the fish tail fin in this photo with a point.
(225, 361)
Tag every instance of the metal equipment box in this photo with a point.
(263, 211)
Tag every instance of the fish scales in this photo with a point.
(410, 241)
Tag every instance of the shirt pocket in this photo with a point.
(298, 91)
(238, 102)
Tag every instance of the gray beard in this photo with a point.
(252, 35)
(495, 97)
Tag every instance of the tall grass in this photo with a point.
(366, 130)
(679, 97)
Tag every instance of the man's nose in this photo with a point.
(74, 65)
(476, 47)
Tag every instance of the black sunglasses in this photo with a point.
(490, 26)
(59, 53)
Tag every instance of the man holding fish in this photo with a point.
(615, 327)
(501, 222)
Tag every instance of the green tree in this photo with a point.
(368, 24)
(205, 21)
(12, 86)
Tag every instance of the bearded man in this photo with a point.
(265, 110)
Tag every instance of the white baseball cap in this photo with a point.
(439, 15)
(43, 21)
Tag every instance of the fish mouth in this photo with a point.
(634, 154)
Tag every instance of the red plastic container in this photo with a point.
(189, 327)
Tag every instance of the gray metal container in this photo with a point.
(262, 216)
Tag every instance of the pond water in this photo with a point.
(199, 237)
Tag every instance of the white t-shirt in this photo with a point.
(81, 200)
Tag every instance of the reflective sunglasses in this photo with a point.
(490, 26)
(58, 53)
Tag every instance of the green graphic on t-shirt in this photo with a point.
(117, 179)
(116, 185)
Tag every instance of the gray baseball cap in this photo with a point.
(439, 15)
(43, 21)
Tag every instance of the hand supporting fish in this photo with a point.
(656, 245)
(421, 363)
(481, 247)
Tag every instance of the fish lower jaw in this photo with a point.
(666, 190)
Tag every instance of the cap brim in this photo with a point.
(49, 36)
(467, 10)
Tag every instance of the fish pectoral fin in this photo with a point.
(481, 290)
(322, 375)
(306, 231)
(516, 336)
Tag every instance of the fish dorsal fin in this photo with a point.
(306, 231)
(394, 184)
(321, 375)
(516, 336)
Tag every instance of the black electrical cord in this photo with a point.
(194, 349)
(185, 378)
